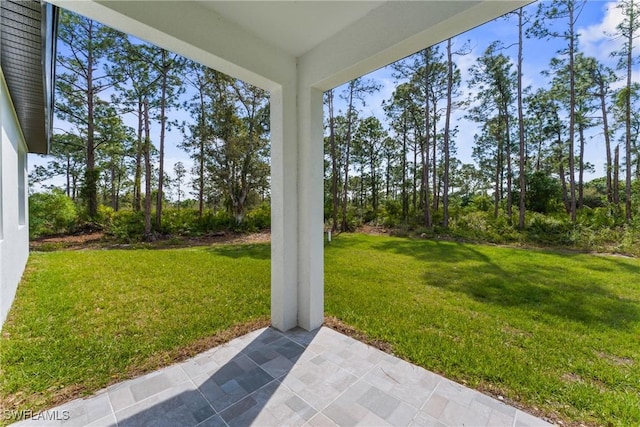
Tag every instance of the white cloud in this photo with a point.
(598, 40)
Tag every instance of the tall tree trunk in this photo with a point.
(428, 220)
(137, 181)
(497, 191)
(509, 167)
(90, 174)
(521, 146)
(113, 186)
(607, 140)
(445, 148)
(414, 195)
(68, 175)
(581, 167)
(572, 113)
(163, 122)
(563, 178)
(616, 175)
(334, 163)
(627, 102)
(434, 173)
(201, 154)
(147, 172)
(345, 194)
(405, 198)
(387, 176)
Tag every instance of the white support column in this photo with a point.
(310, 209)
(284, 208)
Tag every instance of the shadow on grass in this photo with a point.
(540, 284)
(256, 251)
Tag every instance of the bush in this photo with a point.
(126, 226)
(548, 230)
(51, 213)
(259, 218)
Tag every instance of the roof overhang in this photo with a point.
(27, 52)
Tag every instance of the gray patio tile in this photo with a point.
(358, 358)
(457, 392)
(301, 336)
(120, 396)
(284, 408)
(270, 378)
(108, 421)
(318, 384)
(379, 402)
(321, 420)
(457, 414)
(148, 385)
(182, 405)
(232, 382)
(79, 412)
(435, 406)
(424, 420)
(278, 366)
(200, 365)
(213, 421)
(352, 406)
(343, 415)
(223, 395)
(402, 415)
(496, 405)
(403, 381)
(300, 407)
(373, 420)
(498, 418)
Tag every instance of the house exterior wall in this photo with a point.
(14, 222)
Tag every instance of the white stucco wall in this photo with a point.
(14, 232)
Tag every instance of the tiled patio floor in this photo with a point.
(296, 378)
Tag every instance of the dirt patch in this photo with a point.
(373, 230)
(69, 242)
(98, 240)
(618, 361)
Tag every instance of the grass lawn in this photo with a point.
(84, 319)
(557, 332)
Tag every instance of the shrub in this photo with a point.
(126, 226)
(548, 230)
(259, 218)
(51, 213)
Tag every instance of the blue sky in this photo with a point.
(597, 20)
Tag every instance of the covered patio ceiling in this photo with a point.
(296, 50)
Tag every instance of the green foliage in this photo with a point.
(544, 193)
(548, 230)
(51, 213)
(481, 202)
(391, 213)
(259, 218)
(126, 226)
